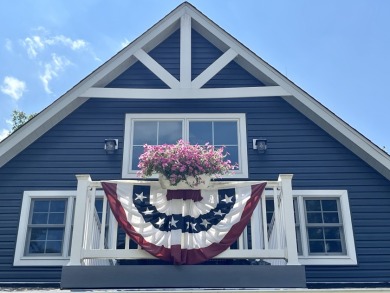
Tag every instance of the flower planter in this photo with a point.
(189, 183)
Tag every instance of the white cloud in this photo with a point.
(40, 41)
(67, 42)
(125, 43)
(57, 64)
(13, 87)
(4, 133)
(33, 45)
(8, 45)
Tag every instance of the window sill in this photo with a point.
(327, 260)
(41, 261)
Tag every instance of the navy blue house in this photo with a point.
(188, 78)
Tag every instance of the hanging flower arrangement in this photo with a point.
(184, 162)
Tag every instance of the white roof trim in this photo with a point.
(303, 102)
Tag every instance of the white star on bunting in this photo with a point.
(173, 222)
(205, 223)
(147, 212)
(228, 199)
(193, 226)
(140, 196)
(160, 222)
(218, 213)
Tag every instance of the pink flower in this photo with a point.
(177, 161)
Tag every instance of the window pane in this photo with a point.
(36, 247)
(332, 233)
(53, 247)
(55, 234)
(56, 218)
(315, 233)
(232, 154)
(331, 217)
(41, 206)
(329, 205)
(145, 132)
(38, 234)
(313, 205)
(201, 132)
(314, 218)
(316, 246)
(39, 218)
(225, 133)
(334, 246)
(57, 205)
(137, 151)
(169, 132)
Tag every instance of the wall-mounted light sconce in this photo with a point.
(110, 145)
(260, 144)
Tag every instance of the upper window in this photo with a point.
(228, 130)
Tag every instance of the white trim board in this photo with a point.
(299, 99)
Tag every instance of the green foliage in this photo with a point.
(19, 118)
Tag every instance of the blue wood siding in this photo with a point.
(203, 54)
(295, 145)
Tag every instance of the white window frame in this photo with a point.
(43, 260)
(241, 128)
(342, 195)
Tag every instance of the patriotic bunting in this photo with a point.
(182, 226)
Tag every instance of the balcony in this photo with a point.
(267, 245)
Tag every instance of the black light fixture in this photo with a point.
(260, 144)
(110, 145)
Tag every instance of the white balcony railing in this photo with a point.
(94, 243)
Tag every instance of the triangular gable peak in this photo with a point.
(186, 19)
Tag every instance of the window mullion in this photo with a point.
(68, 227)
(186, 129)
(303, 228)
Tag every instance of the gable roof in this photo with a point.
(187, 17)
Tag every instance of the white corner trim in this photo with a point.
(214, 68)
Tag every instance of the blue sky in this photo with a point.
(337, 51)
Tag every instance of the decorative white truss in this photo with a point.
(185, 87)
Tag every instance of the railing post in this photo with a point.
(289, 219)
(83, 182)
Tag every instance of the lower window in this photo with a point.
(45, 227)
(324, 227)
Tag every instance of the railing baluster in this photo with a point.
(127, 242)
(103, 224)
(264, 222)
(114, 234)
(91, 212)
(276, 219)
